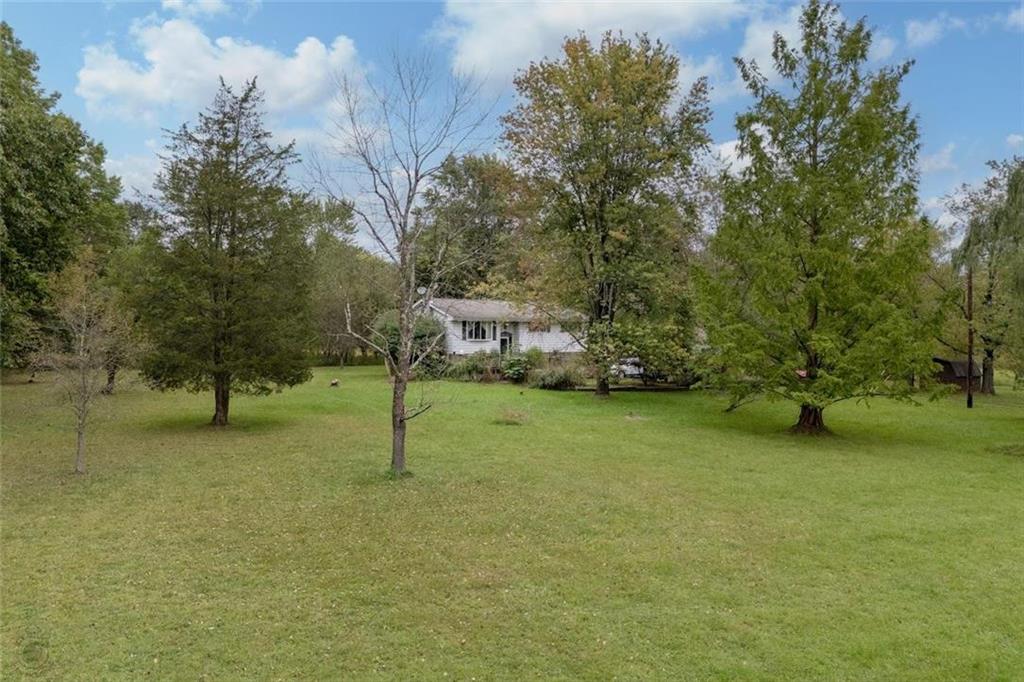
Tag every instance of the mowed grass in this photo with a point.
(543, 536)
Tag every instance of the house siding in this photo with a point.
(456, 345)
(553, 341)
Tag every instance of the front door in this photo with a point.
(506, 342)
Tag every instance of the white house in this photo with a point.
(474, 325)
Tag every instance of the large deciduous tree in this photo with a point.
(990, 249)
(350, 286)
(609, 145)
(225, 299)
(811, 289)
(55, 196)
(479, 199)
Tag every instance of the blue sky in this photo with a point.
(128, 69)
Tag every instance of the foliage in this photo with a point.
(561, 378)
(812, 283)
(92, 330)
(471, 217)
(480, 366)
(515, 368)
(350, 286)
(607, 143)
(663, 351)
(427, 341)
(225, 298)
(991, 248)
(55, 198)
(487, 366)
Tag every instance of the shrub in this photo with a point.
(482, 366)
(556, 379)
(515, 368)
(426, 331)
(534, 358)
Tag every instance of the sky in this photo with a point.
(129, 70)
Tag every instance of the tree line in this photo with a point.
(809, 275)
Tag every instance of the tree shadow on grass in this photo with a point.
(199, 422)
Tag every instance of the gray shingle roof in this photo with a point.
(486, 309)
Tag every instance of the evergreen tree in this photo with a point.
(812, 285)
(225, 297)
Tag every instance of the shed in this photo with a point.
(955, 372)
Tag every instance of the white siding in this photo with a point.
(455, 344)
(553, 341)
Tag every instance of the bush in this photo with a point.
(534, 358)
(426, 330)
(482, 366)
(556, 379)
(517, 367)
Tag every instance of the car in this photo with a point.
(628, 368)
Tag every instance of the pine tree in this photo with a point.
(225, 299)
(813, 277)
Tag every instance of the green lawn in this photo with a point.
(649, 536)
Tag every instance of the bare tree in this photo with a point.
(393, 133)
(93, 331)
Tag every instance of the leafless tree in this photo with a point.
(393, 133)
(93, 331)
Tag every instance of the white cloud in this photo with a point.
(758, 43)
(728, 155)
(924, 32)
(882, 47)
(941, 160)
(921, 33)
(759, 36)
(936, 209)
(1015, 140)
(1015, 19)
(181, 65)
(494, 39)
(195, 8)
(136, 171)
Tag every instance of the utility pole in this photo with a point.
(970, 336)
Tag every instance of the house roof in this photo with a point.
(959, 367)
(486, 309)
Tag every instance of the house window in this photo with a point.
(478, 331)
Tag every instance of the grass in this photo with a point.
(648, 536)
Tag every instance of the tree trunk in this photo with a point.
(221, 398)
(111, 379)
(811, 421)
(80, 451)
(603, 390)
(970, 337)
(988, 373)
(398, 425)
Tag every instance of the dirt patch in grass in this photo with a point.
(1012, 449)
